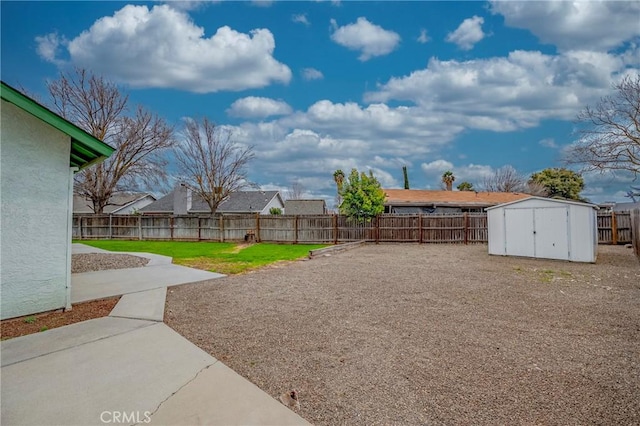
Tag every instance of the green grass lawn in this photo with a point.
(225, 258)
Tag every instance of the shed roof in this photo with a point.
(414, 197)
(553, 200)
(85, 148)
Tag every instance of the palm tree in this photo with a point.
(447, 179)
(338, 177)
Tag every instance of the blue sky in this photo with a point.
(316, 86)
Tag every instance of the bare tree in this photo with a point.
(211, 162)
(505, 179)
(295, 191)
(610, 136)
(99, 107)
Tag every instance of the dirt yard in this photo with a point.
(430, 334)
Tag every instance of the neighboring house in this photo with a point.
(625, 207)
(123, 203)
(305, 207)
(417, 201)
(40, 153)
(183, 201)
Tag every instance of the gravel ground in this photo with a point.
(89, 262)
(430, 334)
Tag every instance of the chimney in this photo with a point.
(182, 199)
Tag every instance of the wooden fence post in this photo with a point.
(257, 227)
(110, 228)
(199, 228)
(335, 229)
(420, 228)
(171, 227)
(466, 227)
(614, 229)
(635, 231)
(221, 228)
(295, 228)
(378, 229)
(140, 227)
(80, 222)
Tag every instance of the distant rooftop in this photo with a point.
(408, 197)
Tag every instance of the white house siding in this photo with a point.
(275, 202)
(34, 170)
(135, 206)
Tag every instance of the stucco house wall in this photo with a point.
(35, 179)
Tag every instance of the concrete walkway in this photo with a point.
(129, 367)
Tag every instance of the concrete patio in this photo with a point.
(129, 367)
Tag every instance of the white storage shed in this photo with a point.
(544, 228)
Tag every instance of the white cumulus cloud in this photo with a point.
(48, 46)
(312, 74)
(257, 107)
(186, 4)
(578, 25)
(549, 143)
(262, 3)
(423, 37)
(301, 19)
(370, 39)
(468, 33)
(508, 93)
(162, 47)
(437, 166)
(473, 173)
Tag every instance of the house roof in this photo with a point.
(85, 149)
(117, 202)
(247, 201)
(620, 207)
(552, 200)
(419, 197)
(238, 202)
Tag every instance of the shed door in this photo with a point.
(519, 232)
(551, 232)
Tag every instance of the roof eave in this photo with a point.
(90, 149)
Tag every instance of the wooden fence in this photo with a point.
(635, 230)
(467, 228)
(614, 228)
(332, 229)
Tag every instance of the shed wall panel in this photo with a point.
(518, 231)
(544, 228)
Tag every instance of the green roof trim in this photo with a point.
(85, 148)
